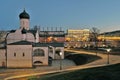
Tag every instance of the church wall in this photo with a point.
(19, 56)
(2, 57)
(18, 36)
(14, 37)
(43, 59)
(24, 23)
(30, 37)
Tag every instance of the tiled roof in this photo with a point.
(56, 44)
(51, 33)
(21, 43)
(32, 31)
(12, 31)
(48, 44)
(38, 44)
(41, 35)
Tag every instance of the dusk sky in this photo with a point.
(68, 14)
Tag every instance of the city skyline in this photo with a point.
(68, 14)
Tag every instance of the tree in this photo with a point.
(94, 36)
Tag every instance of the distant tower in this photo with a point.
(24, 20)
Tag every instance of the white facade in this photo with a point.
(24, 23)
(18, 36)
(19, 56)
(2, 57)
(42, 57)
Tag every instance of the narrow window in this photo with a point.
(23, 54)
(15, 54)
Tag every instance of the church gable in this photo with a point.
(18, 36)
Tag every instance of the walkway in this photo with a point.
(68, 65)
(113, 59)
(4, 73)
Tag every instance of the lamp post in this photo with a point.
(108, 50)
(60, 60)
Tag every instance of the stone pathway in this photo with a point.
(113, 59)
(66, 65)
(55, 67)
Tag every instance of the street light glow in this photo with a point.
(60, 60)
(60, 53)
(108, 50)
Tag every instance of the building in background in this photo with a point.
(109, 39)
(77, 38)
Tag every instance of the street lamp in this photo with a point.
(60, 60)
(108, 50)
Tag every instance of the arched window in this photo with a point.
(38, 52)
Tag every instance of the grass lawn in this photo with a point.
(111, 72)
(81, 58)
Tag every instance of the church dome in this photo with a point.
(24, 15)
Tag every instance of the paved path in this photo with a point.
(10, 73)
(113, 59)
(4, 73)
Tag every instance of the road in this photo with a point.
(8, 74)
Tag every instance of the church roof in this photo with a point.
(48, 44)
(42, 35)
(12, 31)
(40, 45)
(24, 15)
(32, 31)
(52, 33)
(21, 43)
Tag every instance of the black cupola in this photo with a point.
(24, 15)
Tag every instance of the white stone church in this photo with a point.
(27, 48)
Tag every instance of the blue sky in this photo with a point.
(68, 14)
